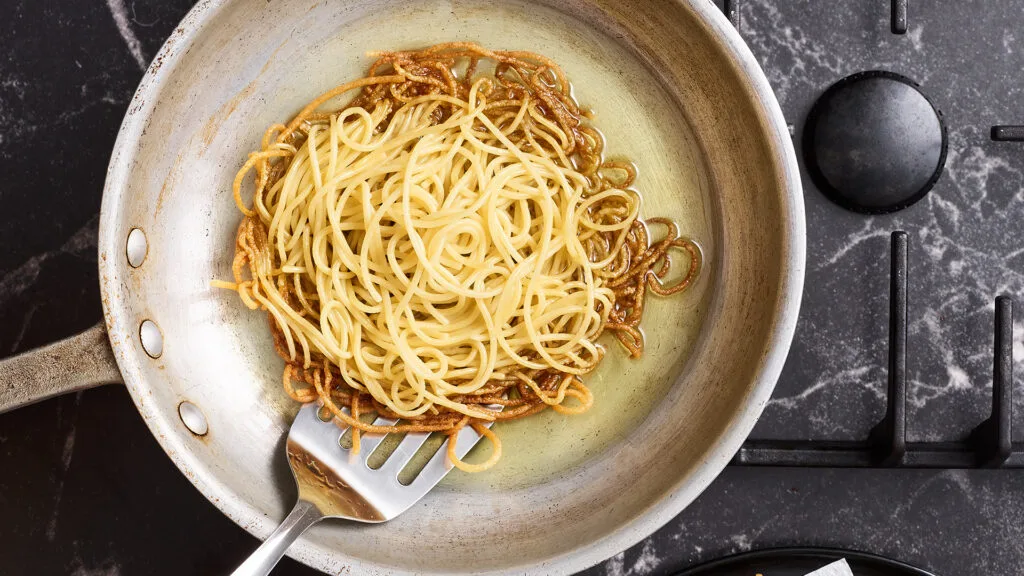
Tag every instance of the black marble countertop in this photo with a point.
(86, 491)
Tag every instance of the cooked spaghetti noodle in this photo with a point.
(446, 249)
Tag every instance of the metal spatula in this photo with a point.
(334, 483)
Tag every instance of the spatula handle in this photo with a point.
(263, 560)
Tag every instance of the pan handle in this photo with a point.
(75, 363)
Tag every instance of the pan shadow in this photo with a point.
(281, 475)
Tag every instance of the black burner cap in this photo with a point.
(874, 143)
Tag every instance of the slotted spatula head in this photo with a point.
(341, 484)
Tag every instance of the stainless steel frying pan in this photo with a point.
(673, 86)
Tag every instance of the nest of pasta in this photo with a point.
(446, 248)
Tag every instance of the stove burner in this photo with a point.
(874, 143)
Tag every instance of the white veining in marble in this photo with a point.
(17, 126)
(67, 453)
(858, 376)
(108, 568)
(645, 562)
(792, 50)
(82, 243)
(854, 240)
(13, 126)
(26, 322)
(119, 12)
(742, 542)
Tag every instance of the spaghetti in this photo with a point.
(446, 249)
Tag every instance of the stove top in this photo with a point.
(963, 235)
(69, 69)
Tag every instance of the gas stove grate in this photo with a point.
(898, 23)
(989, 445)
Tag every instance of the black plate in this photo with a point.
(800, 561)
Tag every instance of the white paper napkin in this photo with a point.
(839, 568)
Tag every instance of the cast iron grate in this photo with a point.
(898, 18)
(989, 445)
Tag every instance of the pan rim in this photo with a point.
(645, 522)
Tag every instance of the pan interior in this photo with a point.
(656, 421)
(640, 120)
